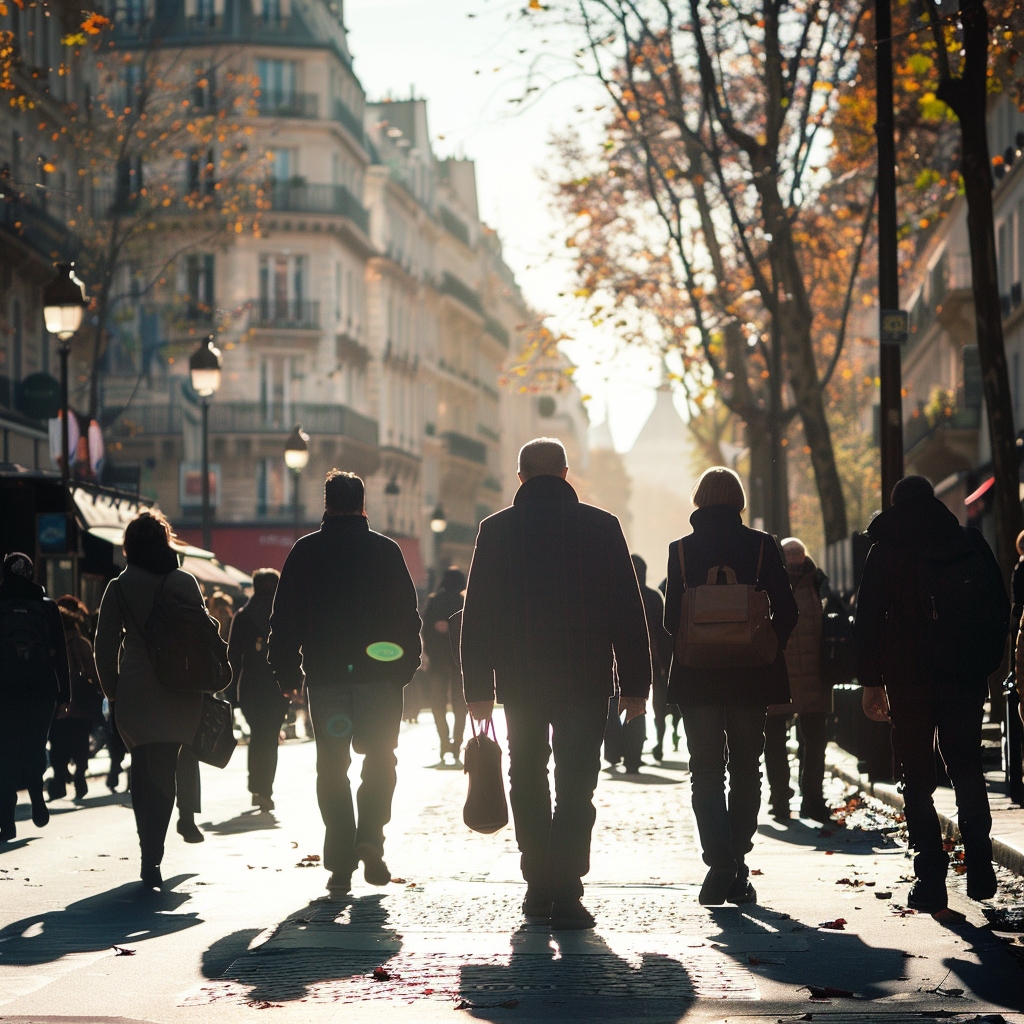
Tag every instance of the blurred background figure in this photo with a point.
(661, 653)
(444, 683)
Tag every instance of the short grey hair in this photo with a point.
(543, 456)
(796, 543)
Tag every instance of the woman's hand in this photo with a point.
(875, 703)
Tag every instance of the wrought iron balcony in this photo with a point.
(288, 104)
(300, 197)
(451, 285)
(268, 312)
(468, 448)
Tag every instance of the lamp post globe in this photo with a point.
(296, 449)
(438, 522)
(64, 302)
(204, 368)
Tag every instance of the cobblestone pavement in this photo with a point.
(244, 924)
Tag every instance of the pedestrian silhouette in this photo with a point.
(443, 681)
(551, 606)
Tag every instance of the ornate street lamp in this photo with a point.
(438, 523)
(296, 458)
(204, 368)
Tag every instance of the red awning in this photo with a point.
(980, 492)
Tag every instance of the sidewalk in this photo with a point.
(1007, 817)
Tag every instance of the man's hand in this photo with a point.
(875, 703)
(634, 707)
(481, 710)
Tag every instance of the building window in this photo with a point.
(271, 487)
(204, 92)
(205, 13)
(283, 283)
(272, 12)
(199, 285)
(283, 165)
(277, 83)
(201, 171)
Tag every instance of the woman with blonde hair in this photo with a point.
(724, 708)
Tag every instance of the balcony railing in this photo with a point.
(300, 197)
(37, 228)
(347, 117)
(496, 330)
(284, 314)
(451, 285)
(291, 104)
(468, 448)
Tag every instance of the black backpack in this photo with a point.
(965, 609)
(184, 645)
(27, 653)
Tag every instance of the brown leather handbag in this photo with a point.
(725, 624)
(486, 808)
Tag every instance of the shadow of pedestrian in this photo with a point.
(997, 976)
(327, 942)
(248, 821)
(127, 914)
(643, 778)
(853, 840)
(17, 844)
(574, 974)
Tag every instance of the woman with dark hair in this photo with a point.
(72, 726)
(154, 722)
(443, 679)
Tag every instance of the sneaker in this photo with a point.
(982, 883)
(741, 891)
(537, 905)
(189, 831)
(570, 916)
(339, 884)
(717, 885)
(151, 877)
(928, 896)
(375, 871)
(40, 812)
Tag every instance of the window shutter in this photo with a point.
(191, 8)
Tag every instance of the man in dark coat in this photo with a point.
(929, 675)
(552, 605)
(259, 698)
(34, 679)
(345, 621)
(441, 671)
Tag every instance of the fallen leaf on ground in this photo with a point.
(856, 883)
(398, 881)
(381, 974)
(838, 925)
(121, 951)
(757, 871)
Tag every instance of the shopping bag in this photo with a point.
(486, 808)
(215, 738)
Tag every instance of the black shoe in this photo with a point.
(40, 812)
(717, 885)
(741, 891)
(56, 790)
(81, 789)
(265, 803)
(821, 813)
(982, 883)
(339, 884)
(151, 877)
(537, 905)
(8, 834)
(375, 871)
(633, 769)
(658, 753)
(928, 896)
(189, 831)
(570, 916)
(112, 781)
(781, 813)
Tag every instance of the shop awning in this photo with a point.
(115, 535)
(208, 571)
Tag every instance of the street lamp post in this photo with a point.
(64, 302)
(204, 369)
(296, 457)
(391, 495)
(438, 524)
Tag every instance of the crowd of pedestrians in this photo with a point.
(555, 622)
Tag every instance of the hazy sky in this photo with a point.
(436, 48)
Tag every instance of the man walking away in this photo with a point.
(552, 604)
(931, 626)
(34, 679)
(441, 671)
(260, 699)
(345, 620)
(661, 653)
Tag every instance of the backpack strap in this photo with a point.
(760, 556)
(682, 562)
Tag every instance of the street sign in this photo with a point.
(894, 327)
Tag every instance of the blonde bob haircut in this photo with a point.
(719, 486)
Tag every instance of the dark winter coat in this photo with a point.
(890, 629)
(1017, 594)
(86, 695)
(247, 655)
(720, 538)
(21, 591)
(441, 606)
(553, 603)
(343, 589)
(661, 640)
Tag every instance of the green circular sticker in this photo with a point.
(383, 650)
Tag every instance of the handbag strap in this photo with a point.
(487, 727)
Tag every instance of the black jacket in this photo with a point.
(21, 591)
(440, 608)
(890, 635)
(343, 589)
(720, 538)
(1017, 595)
(552, 603)
(251, 673)
(654, 610)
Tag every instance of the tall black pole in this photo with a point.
(295, 502)
(891, 390)
(207, 531)
(63, 351)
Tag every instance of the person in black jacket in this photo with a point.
(34, 679)
(441, 671)
(908, 668)
(552, 604)
(724, 708)
(661, 653)
(345, 622)
(261, 701)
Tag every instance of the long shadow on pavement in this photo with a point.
(998, 977)
(125, 915)
(247, 821)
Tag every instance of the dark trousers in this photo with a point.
(444, 687)
(154, 766)
(24, 726)
(812, 730)
(265, 721)
(187, 782)
(555, 843)
(951, 716)
(115, 745)
(623, 741)
(69, 741)
(719, 739)
(364, 717)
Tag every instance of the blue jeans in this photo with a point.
(364, 717)
(719, 738)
